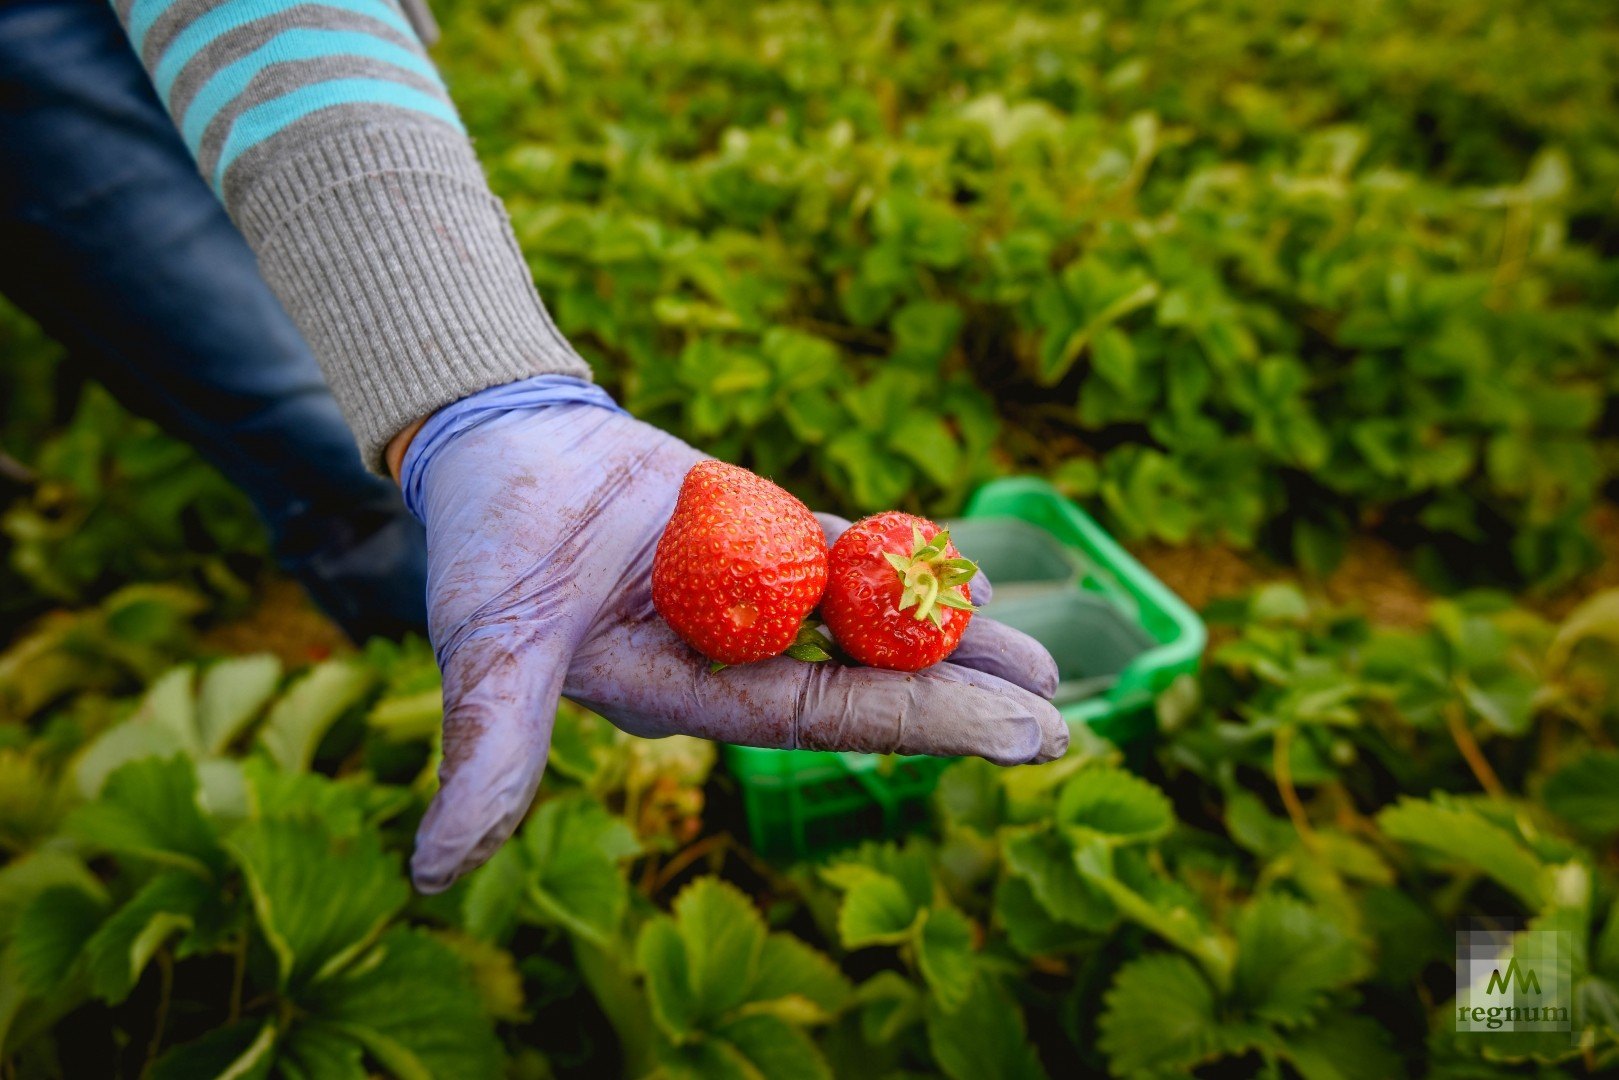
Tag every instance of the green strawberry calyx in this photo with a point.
(809, 646)
(929, 580)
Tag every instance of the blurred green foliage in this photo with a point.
(208, 876)
(1267, 273)
(1254, 271)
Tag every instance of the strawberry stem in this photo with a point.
(929, 580)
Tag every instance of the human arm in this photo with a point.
(329, 136)
(334, 148)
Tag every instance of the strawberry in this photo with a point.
(897, 594)
(739, 565)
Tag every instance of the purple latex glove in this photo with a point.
(543, 502)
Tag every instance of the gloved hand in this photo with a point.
(543, 503)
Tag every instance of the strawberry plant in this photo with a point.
(1245, 274)
(212, 875)
(1261, 274)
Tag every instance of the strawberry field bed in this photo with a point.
(1314, 307)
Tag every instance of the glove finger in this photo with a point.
(1009, 654)
(1053, 728)
(834, 526)
(644, 679)
(946, 710)
(500, 705)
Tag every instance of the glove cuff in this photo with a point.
(454, 420)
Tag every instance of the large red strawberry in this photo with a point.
(739, 565)
(897, 594)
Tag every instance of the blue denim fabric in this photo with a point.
(114, 243)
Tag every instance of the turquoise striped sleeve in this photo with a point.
(227, 84)
(236, 73)
(332, 141)
(265, 121)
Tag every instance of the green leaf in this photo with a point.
(876, 909)
(492, 970)
(889, 1005)
(710, 1059)
(1031, 929)
(1597, 619)
(344, 807)
(163, 725)
(231, 695)
(928, 443)
(1585, 793)
(1113, 358)
(405, 717)
(1044, 862)
(1160, 1019)
(1343, 1047)
(984, 1039)
(118, 746)
(411, 1003)
(32, 800)
(1279, 602)
(50, 934)
(120, 950)
(148, 809)
(944, 952)
(774, 1048)
(320, 899)
(970, 795)
(1092, 296)
(703, 963)
(924, 333)
(1161, 906)
(1605, 953)
(1409, 935)
(724, 937)
(302, 716)
(170, 704)
(660, 953)
(494, 892)
(1464, 836)
(911, 866)
(1290, 957)
(574, 847)
(1116, 804)
(313, 1050)
(240, 1051)
(812, 416)
(790, 969)
(26, 877)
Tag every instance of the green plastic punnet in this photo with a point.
(1119, 635)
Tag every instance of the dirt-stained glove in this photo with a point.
(543, 502)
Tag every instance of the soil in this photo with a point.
(285, 622)
(1372, 578)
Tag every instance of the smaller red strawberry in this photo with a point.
(897, 595)
(739, 565)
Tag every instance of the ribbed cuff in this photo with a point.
(401, 270)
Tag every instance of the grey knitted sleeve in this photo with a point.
(329, 136)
